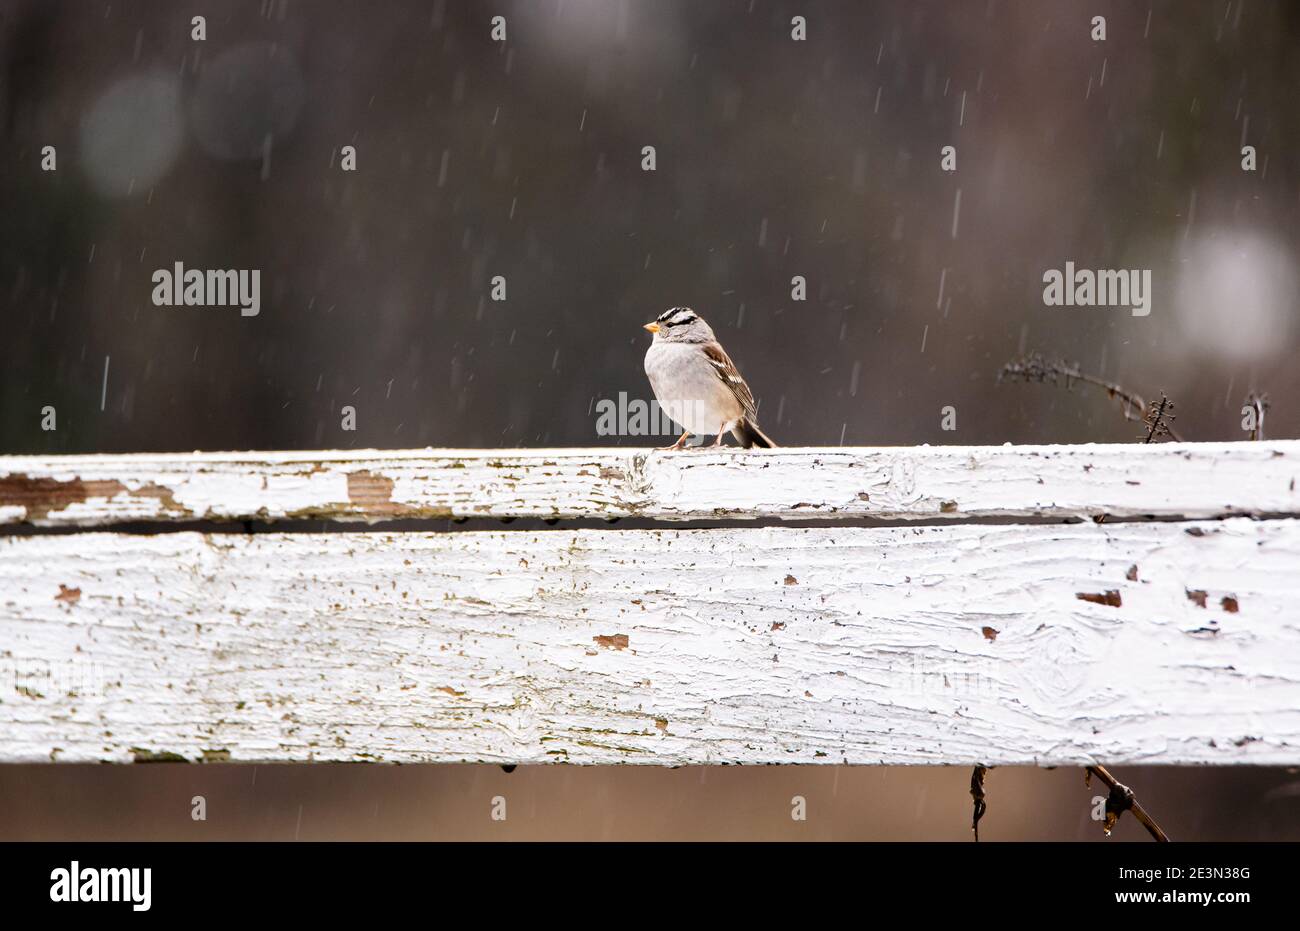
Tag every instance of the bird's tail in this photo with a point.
(748, 435)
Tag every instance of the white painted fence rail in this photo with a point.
(1169, 480)
(1112, 640)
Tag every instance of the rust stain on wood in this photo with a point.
(1197, 596)
(371, 495)
(1108, 597)
(41, 496)
(612, 641)
(371, 492)
(989, 634)
(1229, 603)
(68, 595)
(164, 495)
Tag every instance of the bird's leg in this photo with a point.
(718, 441)
(681, 441)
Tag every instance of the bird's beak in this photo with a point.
(652, 327)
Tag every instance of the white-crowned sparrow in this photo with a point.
(696, 382)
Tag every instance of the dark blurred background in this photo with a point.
(377, 802)
(522, 159)
(775, 158)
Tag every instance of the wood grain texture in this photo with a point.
(1045, 644)
(1193, 480)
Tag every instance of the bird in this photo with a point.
(697, 384)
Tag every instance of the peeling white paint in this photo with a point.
(949, 644)
(1193, 480)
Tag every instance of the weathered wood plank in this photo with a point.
(1051, 644)
(1193, 480)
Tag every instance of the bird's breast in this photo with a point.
(688, 388)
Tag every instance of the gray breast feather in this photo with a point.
(689, 388)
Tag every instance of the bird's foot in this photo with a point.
(681, 442)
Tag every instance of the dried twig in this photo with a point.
(1157, 418)
(1261, 404)
(977, 793)
(1120, 800)
(1035, 368)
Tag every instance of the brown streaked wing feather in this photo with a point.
(730, 376)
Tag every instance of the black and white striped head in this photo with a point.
(680, 325)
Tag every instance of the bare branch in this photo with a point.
(1157, 418)
(1035, 368)
(977, 793)
(1122, 799)
(1261, 403)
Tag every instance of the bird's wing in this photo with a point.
(726, 370)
